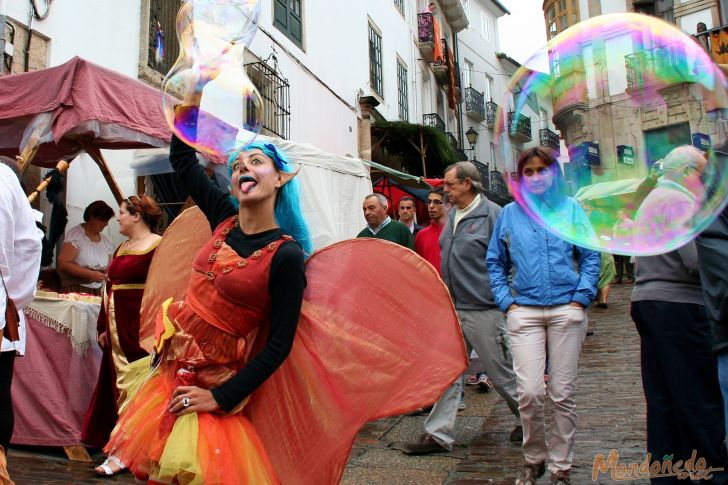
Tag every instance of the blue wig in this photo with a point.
(288, 204)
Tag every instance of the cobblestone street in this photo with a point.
(610, 404)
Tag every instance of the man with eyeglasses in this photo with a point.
(679, 376)
(381, 226)
(464, 242)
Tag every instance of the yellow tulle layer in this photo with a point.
(191, 449)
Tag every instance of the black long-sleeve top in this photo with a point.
(286, 282)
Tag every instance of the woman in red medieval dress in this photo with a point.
(118, 323)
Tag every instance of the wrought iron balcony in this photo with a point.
(519, 126)
(434, 120)
(548, 138)
(491, 109)
(276, 99)
(451, 138)
(425, 27)
(474, 104)
(497, 183)
(459, 152)
(441, 67)
(666, 63)
(713, 43)
(493, 183)
(426, 36)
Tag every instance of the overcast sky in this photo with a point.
(522, 33)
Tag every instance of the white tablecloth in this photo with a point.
(75, 318)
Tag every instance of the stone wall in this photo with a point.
(16, 33)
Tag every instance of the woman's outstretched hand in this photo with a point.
(199, 401)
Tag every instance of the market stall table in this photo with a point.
(53, 383)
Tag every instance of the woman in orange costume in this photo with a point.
(252, 383)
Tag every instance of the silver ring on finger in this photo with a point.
(186, 402)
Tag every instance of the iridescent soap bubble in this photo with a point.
(623, 93)
(221, 110)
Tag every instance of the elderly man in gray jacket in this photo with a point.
(679, 377)
(464, 243)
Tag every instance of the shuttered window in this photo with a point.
(375, 60)
(288, 18)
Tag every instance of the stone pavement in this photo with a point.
(610, 404)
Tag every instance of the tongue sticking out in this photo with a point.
(247, 183)
(246, 187)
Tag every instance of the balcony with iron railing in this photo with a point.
(428, 38)
(519, 126)
(494, 184)
(666, 63)
(459, 152)
(713, 43)
(434, 120)
(491, 111)
(440, 67)
(474, 104)
(548, 138)
(274, 90)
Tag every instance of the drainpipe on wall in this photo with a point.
(459, 104)
(31, 13)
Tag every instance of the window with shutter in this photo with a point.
(288, 18)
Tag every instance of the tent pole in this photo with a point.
(422, 154)
(97, 157)
(31, 148)
(61, 166)
(26, 157)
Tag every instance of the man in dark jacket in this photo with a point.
(464, 244)
(684, 405)
(713, 260)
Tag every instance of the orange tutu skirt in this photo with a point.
(196, 449)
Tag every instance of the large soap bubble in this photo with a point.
(221, 110)
(631, 97)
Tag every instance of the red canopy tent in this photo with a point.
(56, 113)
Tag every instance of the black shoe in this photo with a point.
(530, 473)
(424, 446)
(517, 434)
(589, 333)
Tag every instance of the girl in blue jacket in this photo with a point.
(544, 284)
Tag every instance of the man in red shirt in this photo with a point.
(427, 242)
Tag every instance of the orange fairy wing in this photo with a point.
(171, 268)
(376, 318)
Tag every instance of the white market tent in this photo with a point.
(332, 187)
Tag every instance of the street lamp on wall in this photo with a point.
(472, 137)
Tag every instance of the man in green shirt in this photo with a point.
(381, 226)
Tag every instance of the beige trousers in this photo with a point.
(533, 331)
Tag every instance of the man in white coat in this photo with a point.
(20, 252)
